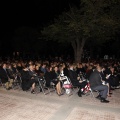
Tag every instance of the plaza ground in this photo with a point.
(21, 105)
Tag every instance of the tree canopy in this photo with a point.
(94, 20)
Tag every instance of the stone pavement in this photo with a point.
(20, 105)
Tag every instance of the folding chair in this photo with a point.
(91, 91)
(17, 82)
(52, 85)
(1, 84)
(42, 85)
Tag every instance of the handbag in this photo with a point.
(67, 86)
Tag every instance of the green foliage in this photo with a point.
(96, 21)
(101, 15)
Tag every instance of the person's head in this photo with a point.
(38, 64)
(31, 66)
(44, 65)
(99, 68)
(56, 68)
(90, 67)
(36, 67)
(112, 69)
(9, 66)
(49, 68)
(61, 68)
(71, 67)
(4, 65)
(25, 68)
(103, 68)
(30, 62)
(14, 65)
(74, 66)
(19, 64)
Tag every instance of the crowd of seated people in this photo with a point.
(105, 73)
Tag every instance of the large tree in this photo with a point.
(96, 20)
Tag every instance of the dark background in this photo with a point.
(34, 14)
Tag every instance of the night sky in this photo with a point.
(29, 13)
(34, 14)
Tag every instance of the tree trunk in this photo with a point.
(78, 49)
(78, 56)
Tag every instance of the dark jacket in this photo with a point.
(26, 83)
(3, 75)
(10, 73)
(73, 76)
(95, 79)
(49, 77)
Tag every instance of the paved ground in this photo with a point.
(20, 105)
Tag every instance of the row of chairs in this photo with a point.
(16, 83)
(42, 86)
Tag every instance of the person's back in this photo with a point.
(73, 76)
(89, 71)
(3, 75)
(48, 76)
(25, 79)
(95, 79)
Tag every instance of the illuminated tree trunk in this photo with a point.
(78, 49)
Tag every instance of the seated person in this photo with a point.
(95, 81)
(5, 77)
(105, 81)
(10, 71)
(52, 75)
(43, 68)
(26, 80)
(33, 77)
(37, 70)
(56, 81)
(36, 78)
(89, 70)
(48, 76)
(114, 79)
(75, 80)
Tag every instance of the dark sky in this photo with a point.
(34, 13)
(28, 13)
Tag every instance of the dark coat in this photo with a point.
(26, 80)
(3, 75)
(73, 78)
(95, 79)
(49, 76)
